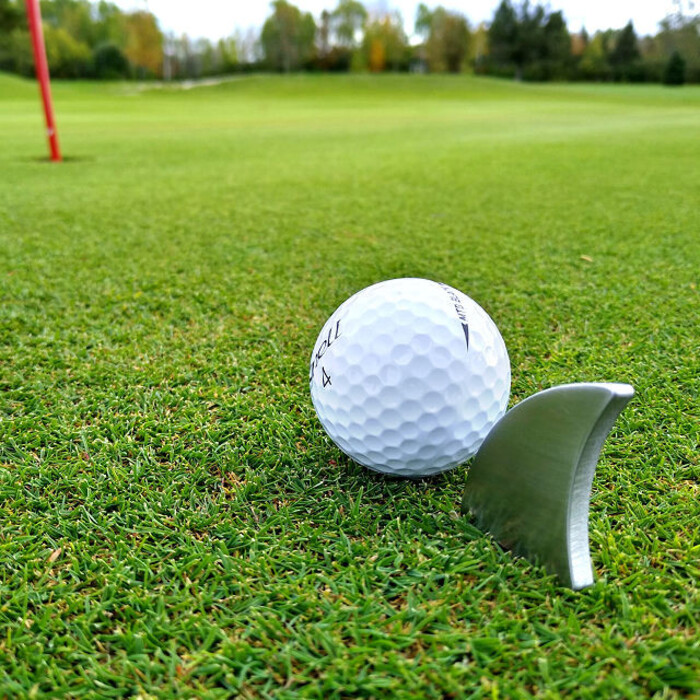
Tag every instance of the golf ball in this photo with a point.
(408, 376)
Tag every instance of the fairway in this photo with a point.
(175, 523)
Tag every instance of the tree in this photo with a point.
(479, 47)
(110, 63)
(347, 21)
(579, 42)
(674, 72)
(16, 52)
(14, 38)
(530, 38)
(557, 41)
(529, 42)
(424, 19)
(452, 34)
(208, 57)
(75, 17)
(336, 57)
(110, 24)
(557, 47)
(681, 32)
(227, 50)
(447, 37)
(385, 44)
(515, 38)
(288, 37)
(185, 58)
(248, 48)
(594, 61)
(625, 52)
(324, 35)
(10, 16)
(503, 35)
(144, 43)
(67, 57)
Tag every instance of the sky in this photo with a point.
(214, 19)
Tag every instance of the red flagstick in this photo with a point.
(42, 74)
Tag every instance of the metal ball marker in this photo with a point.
(530, 482)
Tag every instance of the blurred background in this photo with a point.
(569, 40)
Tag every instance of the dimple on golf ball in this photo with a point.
(408, 376)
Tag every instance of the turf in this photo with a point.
(174, 523)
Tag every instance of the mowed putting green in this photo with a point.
(174, 522)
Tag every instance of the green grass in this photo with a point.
(173, 521)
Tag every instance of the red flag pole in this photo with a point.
(42, 74)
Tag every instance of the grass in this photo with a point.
(174, 522)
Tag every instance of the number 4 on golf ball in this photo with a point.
(408, 376)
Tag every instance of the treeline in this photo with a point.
(83, 40)
(529, 42)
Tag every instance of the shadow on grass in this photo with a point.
(66, 159)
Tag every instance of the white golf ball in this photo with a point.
(408, 376)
